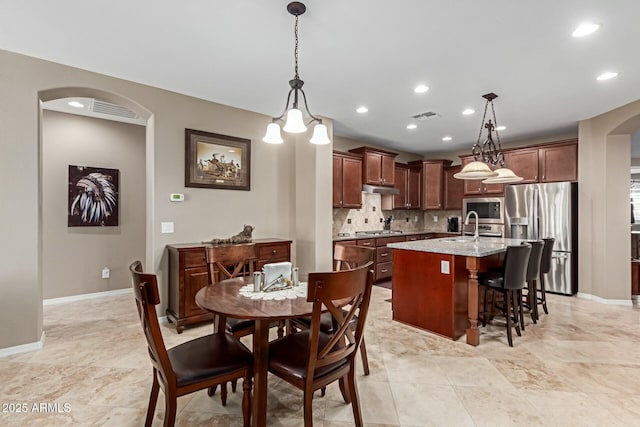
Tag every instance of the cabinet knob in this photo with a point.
(535, 177)
(274, 251)
(543, 177)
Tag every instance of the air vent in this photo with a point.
(424, 116)
(112, 109)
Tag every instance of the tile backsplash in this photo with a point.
(371, 216)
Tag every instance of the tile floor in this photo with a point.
(579, 366)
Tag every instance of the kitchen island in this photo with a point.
(435, 282)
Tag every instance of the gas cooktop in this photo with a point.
(378, 233)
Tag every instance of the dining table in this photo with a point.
(224, 299)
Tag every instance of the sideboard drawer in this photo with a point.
(194, 258)
(273, 252)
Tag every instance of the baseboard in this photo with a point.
(601, 300)
(81, 297)
(23, 348)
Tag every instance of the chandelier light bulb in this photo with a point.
(294, 122)
(320, 135)
(273, 134)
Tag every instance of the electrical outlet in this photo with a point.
(348, 220)
(106, 273)
(435, 218)
(415, 218)
(381, 220)
(444, 267)
(366, 220)
(407, 218)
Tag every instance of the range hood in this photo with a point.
(379, 189)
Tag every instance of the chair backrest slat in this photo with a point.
(229, 260)
(335, 291)
(145, 290)
(348, 257)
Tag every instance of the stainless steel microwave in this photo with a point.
(490, 210)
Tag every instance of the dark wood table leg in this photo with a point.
(473, 334)
(260, 372)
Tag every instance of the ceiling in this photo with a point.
(357, 52)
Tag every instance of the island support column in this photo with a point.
(473, 334)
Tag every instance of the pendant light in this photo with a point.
(487, 153)
(294, 121)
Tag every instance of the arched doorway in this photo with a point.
(604, 214)
(83, 235)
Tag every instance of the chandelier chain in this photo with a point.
(295, 54)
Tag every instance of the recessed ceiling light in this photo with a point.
(75, 104)
(608, 75)
(501, 128)
(468, 111)
(232, 151)
(411, 126)
(585, 29)
(421, 89)
(362, 109)
(447, 138)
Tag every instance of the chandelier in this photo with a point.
(488, 153)
(294, 122)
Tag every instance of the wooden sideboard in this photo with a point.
(188, 274)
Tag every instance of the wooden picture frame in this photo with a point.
(217, 161)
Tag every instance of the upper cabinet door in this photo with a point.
(414, 181)
(388, 170)
(453, 188)
(523, 163)
(373, 168)
(337, 181)
(433, 185)
(559, 163)
(400, 200)
(347, 181)
(351, 183)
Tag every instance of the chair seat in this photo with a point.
(289, 357)
(235, 325)
(492, 279)
(208, 356)
(326, 322)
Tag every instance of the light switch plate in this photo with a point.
(444, 267)
(166, 227)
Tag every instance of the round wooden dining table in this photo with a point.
(223, 299)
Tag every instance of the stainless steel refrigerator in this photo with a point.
(537, 211)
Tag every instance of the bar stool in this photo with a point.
(545, 267)
(533, 273)
(509, 284)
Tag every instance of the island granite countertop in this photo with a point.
(460, 245)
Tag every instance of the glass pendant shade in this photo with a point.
(505, 176)
(273, 134)
(320, 135)
(475, 170)
(294, 122)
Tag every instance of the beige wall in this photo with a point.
(204, 214)
(75, 256)
(603, 202)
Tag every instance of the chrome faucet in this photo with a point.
(466, 222)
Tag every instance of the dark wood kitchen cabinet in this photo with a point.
(559, 162)
(523, 163)
(432, 182)
(378, 166)
(408, 182)
(347, 180)
(453, 188)
(188, 274)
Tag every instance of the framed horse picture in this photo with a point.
(217, 161)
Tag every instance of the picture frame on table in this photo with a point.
(217, 161)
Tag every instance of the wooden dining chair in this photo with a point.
(312, 359)
(345, 257)
(225, 262)
(194, 365)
